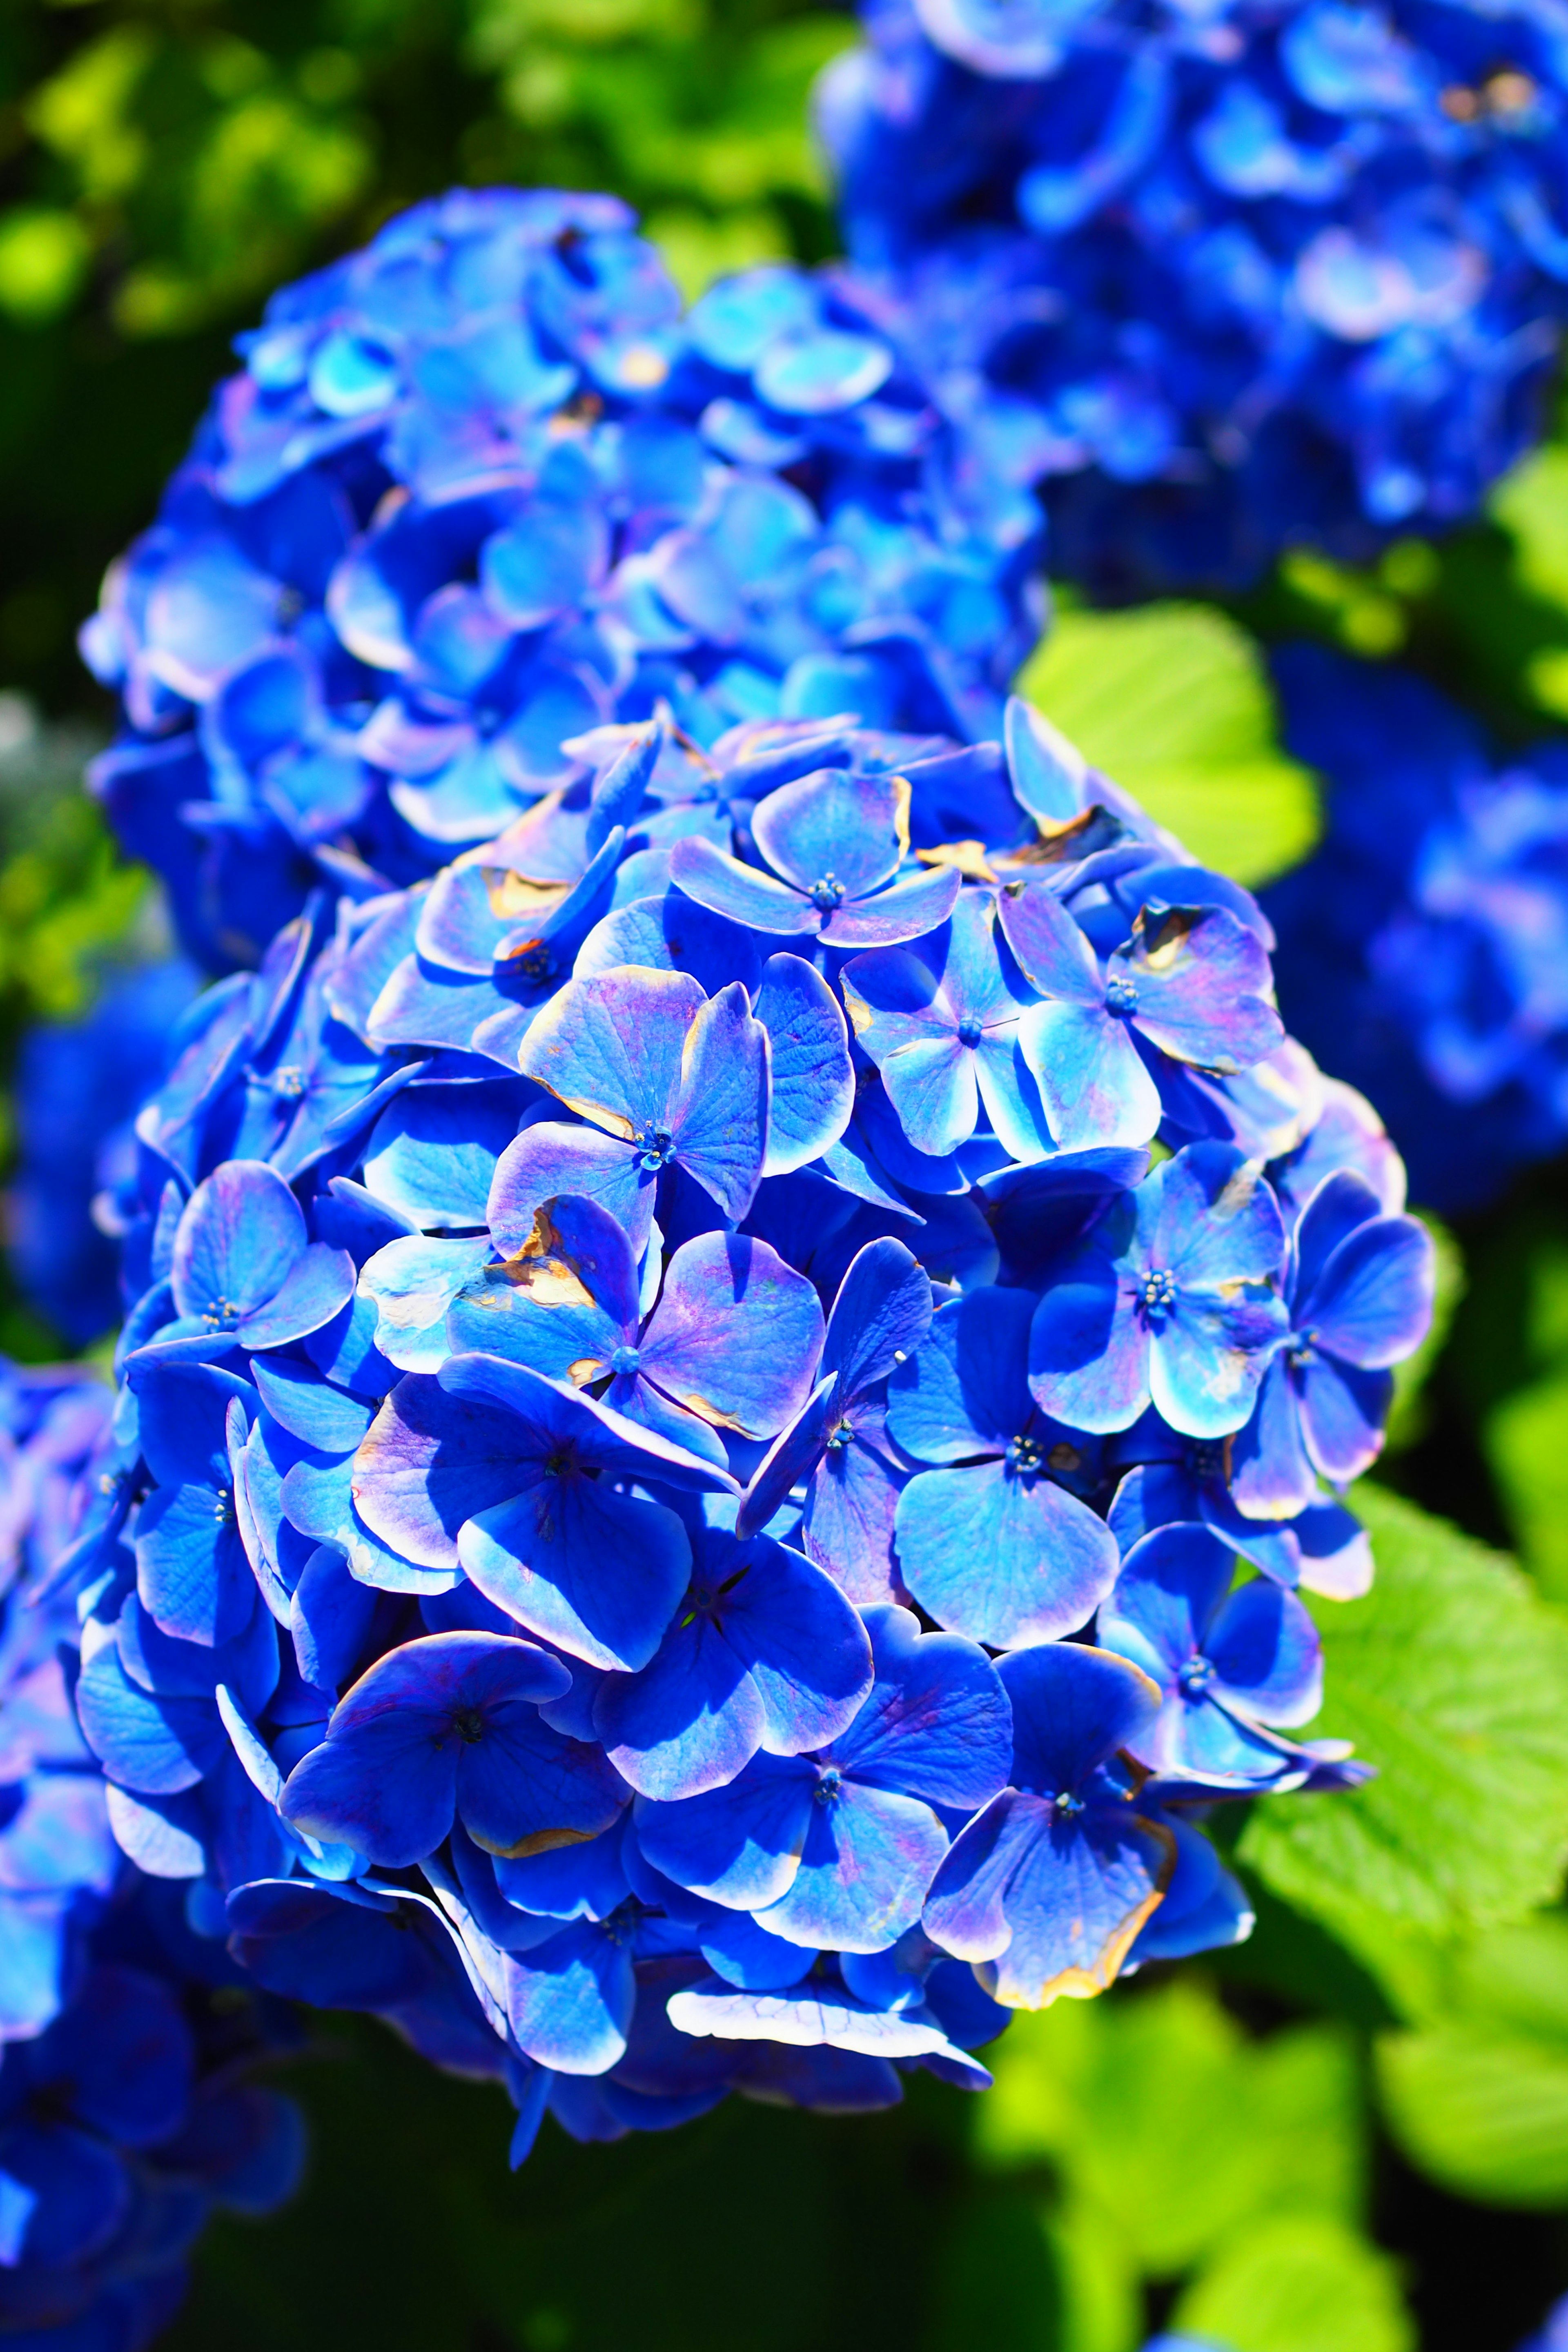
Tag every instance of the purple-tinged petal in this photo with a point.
(317, 1286)
(869, 1857)
(429, 1462)
(831, 828)
(1003, 1559)
(1207, 1362)
(907, 909)
(1272, 1475)
(1372, 1304)
(937, 1724)
(719, 1119)
(1052, 952)
(1267, 1655)
(1201, 980)
(736, 1335)
(1088, 1350)
(611, 1047)
(880, 1315)
(1071, 1895)
(1072, 1708)
(742, 894)
(549, 1159)
(812, 1079)
(241, 1233)
(542, 1557)
(851, 1507)
(1095, 1088)
(739, 1846)
(1342, 1416)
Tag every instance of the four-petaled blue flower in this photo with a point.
(1172, 1298)
(1046, 1890)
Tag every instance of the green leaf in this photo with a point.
(1158, 2114)
(1173, 701)
(1451, 1676)
(1480, 2097)
(1299, 2284)
(1525, 1441)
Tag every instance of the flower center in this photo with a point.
(535, 963)
(469, 1724)
(830, 1787)
(221, 1314)
(839, 1437)
(1196, 1676)
(826, 893)
(1159, 1293)
(289, 1082)
(223, 1507)
(1303, 1348)
(1024, 1455)
(1122, 996)
(1068, 1805)
(626, 1359)
(654, 1147)
(970, 1031)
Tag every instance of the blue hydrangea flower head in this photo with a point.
(483, 490)
(1218, 281)
(1421, 950)
(724, 1410)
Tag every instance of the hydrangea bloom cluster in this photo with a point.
(125, 2113)
(1225, 277)
(722, 1410)
(481, 489)
(1425, 944)
(78, 1087)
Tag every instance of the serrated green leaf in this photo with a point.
(1479, 2098)
(1451, 1676)
(1173, 702)
(1302, 2284)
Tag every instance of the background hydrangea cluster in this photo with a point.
(486, 487)
(723, 1408)
(1425, 946)
(125, 2041)
(1221, 279)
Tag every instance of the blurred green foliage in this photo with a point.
(166, 162)
(1172, 700)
